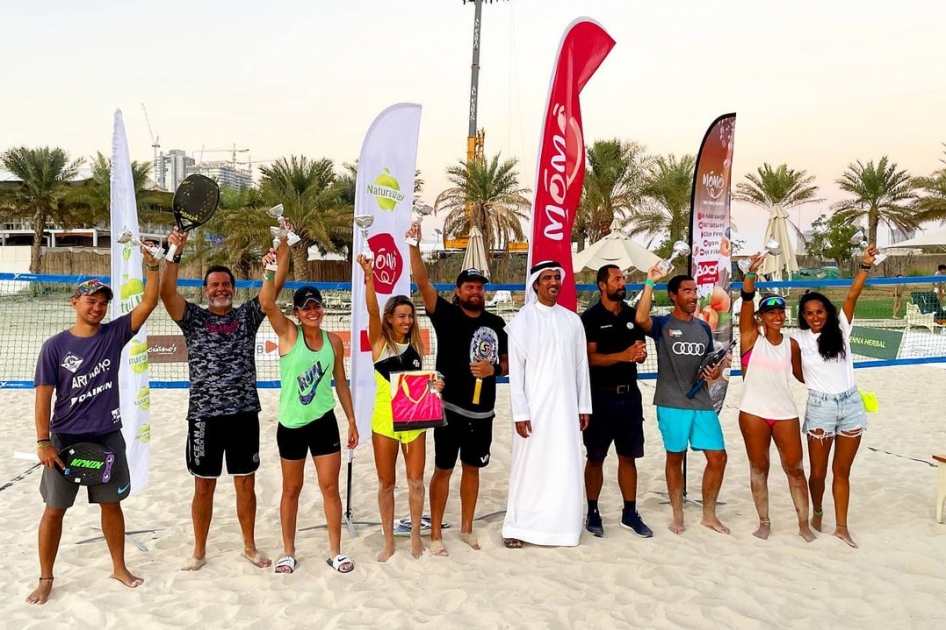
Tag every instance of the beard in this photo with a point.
(475, 304)
(618, 296)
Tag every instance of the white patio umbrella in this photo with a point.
(475, 256)
(777, 228)
(614, 249)
(930, 239)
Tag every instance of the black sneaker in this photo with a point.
(594, 524)
(633, 522)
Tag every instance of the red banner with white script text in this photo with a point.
(561, 164)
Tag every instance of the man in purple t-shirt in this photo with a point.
(81, 366)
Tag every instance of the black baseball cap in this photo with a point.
(305, 295)
(472, 275)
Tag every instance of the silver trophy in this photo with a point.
(861, 243)
(127, 237)
(365, 221)
(772, 247)
(679, 249)
(418, 213)
(281, 232)
(744, 264)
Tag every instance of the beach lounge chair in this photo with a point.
(941, 486)
(913, 317)
(500, 297)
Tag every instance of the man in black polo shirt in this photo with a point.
(469, 430)
(615, 347)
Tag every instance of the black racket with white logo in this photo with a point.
(87, 463)
(709, 362)
(195, 202)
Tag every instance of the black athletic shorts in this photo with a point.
(319, 437)
(59, 493)
(617, 418)
(468, 438)
(210, 439)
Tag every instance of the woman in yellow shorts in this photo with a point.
(395, 347)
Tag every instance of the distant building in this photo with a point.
(224, 173)
(898, 236)
(175, 166)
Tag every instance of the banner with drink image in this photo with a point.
(710, 247)
(384, 196)
(133, 374)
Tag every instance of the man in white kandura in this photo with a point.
(551, 401)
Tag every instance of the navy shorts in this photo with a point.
(617, 418)
(235, 437)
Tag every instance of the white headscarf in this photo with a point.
(532, 295)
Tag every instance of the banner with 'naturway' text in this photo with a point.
(133, 377)
(710, 246)
(561, 163)
(385, 192)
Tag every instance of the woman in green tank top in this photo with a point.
(309, 358)
(394, 336)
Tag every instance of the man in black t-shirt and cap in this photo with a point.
(615, 347)
(469, 430)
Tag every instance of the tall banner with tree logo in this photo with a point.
(385, 192)
(561, 163)
(710, 245)
(133, 377)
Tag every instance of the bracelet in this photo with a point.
(153, 267)
(747, 296)
(41, 444)
(269, 276)
(866, 268)
(750, 274)
(650, 283)
(176, 260)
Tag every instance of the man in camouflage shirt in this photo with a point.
(223, 408)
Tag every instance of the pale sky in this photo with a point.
(816, 85)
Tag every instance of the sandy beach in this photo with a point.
(698, 580)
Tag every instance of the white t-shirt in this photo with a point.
(831, 377)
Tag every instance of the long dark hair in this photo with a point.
(831, 340)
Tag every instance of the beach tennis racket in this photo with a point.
(710, 361)
(484, 346)
(195, 202)
(87, 463)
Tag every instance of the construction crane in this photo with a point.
(232, 151)
(156, 164)
(475, 139)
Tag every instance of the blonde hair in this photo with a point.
(387, 332)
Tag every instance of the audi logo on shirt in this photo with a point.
(688, 348)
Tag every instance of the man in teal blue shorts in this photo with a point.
(683, 341)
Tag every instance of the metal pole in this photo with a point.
(474, 81)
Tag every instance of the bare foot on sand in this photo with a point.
(417, 548)
(842, 533)
(470, 539)
(41, 594)
(677, 525)
(765, 528)
(194, 564)
(256, 558)
(805, 532)
(816, 520)
(125, 577)
(713, 523)
(437, 549)
(386, 553)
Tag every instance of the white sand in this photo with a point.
(698, 580)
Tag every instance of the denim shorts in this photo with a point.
(835, 413)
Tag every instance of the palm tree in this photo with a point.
(931, 204)
(240, 226)
(666, 201)
(495, 198)
(612, 188)
(782, 186)
(308, 191)
(89, 204)
(880, 192)
(43, 174)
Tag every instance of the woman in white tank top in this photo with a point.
(767, 411)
